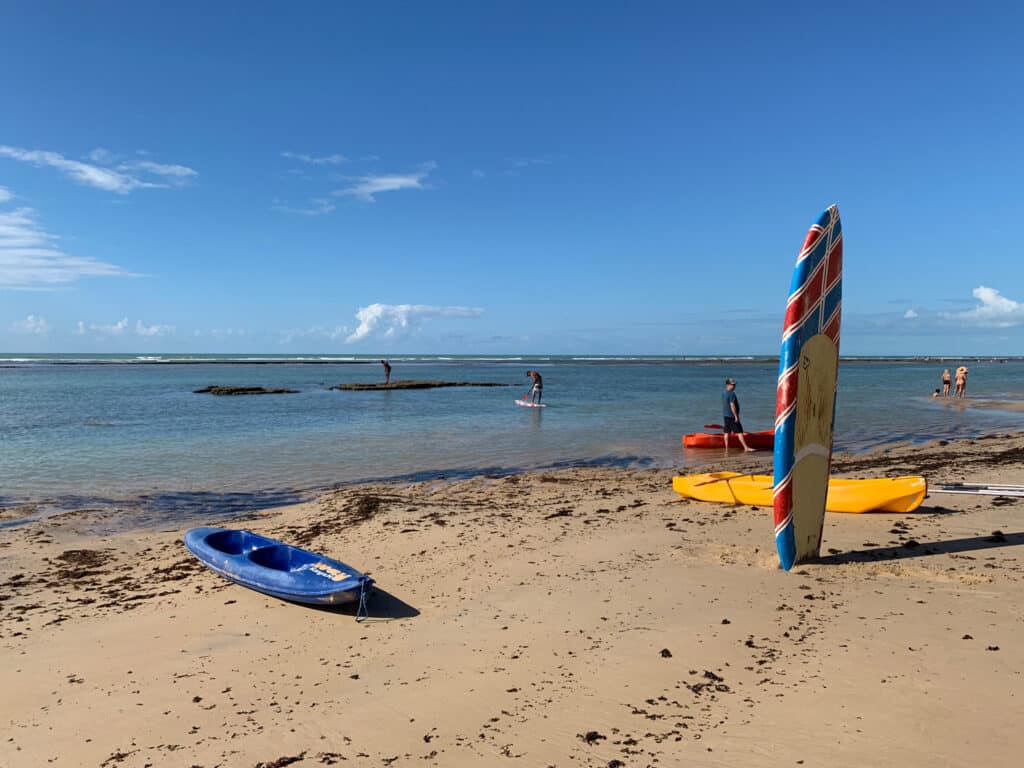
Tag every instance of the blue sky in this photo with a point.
(632, 178)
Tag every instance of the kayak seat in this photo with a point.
(231, 542)
(282, 557)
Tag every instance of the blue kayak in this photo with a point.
(277, 569)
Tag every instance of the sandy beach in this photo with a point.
(582, 617)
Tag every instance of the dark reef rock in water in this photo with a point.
(418, 385)
(215, 390)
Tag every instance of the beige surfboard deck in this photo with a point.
(812, 442)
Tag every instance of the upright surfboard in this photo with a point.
(806, 394)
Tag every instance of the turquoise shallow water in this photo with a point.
(123, 432)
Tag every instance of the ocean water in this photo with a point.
(128, 433)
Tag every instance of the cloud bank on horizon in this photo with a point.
(121, 328)
(392, 321)
(993, 310)
(31, 325)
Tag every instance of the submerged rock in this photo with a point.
(216, 390)
(419, 385)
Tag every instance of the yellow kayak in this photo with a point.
(886, 494)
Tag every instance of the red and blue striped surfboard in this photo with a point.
(805, 398)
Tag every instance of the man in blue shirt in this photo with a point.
(731, 415)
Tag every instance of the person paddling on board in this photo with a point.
(537, 389)
(731, 415)
(387, 371)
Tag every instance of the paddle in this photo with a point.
(982, 489)
(1007, 486)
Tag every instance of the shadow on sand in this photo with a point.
(381, 605)
(916, 549)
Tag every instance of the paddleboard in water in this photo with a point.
(806, 394)
(528, 404)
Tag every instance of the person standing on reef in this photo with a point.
(387, 371)
(731, 415)
(945, 383)
(961, 381)
(537, 389)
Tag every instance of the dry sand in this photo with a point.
(571, 618)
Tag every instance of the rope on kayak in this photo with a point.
(362, 612)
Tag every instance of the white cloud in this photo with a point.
(222, 333)
(153, 330)
(318, 206)
(5, 195)
(520, 165)
(116, 329)
(96, 175)
(366, 187)
(30, 258)
(909, 314)
(478, 174)
(101, 156)
(312, 160)
(397, 320)
(170, 171)
(122, 327)
(84, 173)
(113, 330)
(32, 324)
(993, 310)
(528, 161)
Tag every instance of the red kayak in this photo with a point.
(761, 441)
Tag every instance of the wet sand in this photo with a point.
(584, 617)
(994, 405)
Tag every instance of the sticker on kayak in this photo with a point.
(328, 571)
